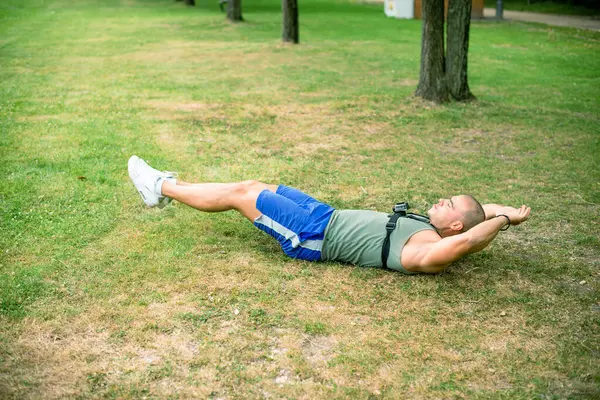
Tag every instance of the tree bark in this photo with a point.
(459, 21)
(432, 83)
(234, 10)
(289, 10)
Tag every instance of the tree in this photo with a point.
(289, 11)
(234, 10)
(190, 2)
(432, 84)
(459, 21)
(444, 75)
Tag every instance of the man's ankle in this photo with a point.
(166, 186)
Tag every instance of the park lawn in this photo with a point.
(101, 297)
(545, 7)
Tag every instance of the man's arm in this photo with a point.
(436, 256)
(492, 209)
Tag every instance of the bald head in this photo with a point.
(456, 215)
(473, 213)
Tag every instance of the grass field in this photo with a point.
(101, 297)
(546, 7)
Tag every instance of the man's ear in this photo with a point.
(456, 226)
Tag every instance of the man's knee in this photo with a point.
(246, 187)
(245, 196)
(250, 188)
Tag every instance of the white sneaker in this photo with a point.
(148, 182)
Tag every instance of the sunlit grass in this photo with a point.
(546, 7)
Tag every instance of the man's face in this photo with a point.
(447, 211)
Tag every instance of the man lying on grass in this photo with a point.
(310, 230)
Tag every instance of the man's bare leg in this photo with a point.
(216, 197)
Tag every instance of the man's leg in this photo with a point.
(159, 187)
(216, 197)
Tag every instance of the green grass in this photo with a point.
(545, 7)
(100, 297)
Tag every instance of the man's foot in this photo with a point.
(148, 182)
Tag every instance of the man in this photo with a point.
(310, 230)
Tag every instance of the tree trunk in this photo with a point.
(432, 83)
(289, 10)
(234, 10)
(459, 20)
(190, 2)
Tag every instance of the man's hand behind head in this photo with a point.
(516, 215)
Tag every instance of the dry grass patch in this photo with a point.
(509, 46)
(377, 339)
(376, 129)
(318, 350)
(322, 129)
(192, 107)
(95, 39)
(301, 130)
(408, 82)
(473, 141)
(167, 136)
(54, 117)
(95, 351)
(209, 56)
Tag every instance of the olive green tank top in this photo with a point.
(356, 237)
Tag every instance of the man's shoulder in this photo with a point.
(426, 236)
(417, 247)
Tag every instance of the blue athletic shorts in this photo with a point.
(295, 219)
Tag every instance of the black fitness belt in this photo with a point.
(400, 211)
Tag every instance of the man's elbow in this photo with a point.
(428, 269)
(435, 269)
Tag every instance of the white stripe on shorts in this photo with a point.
(316, 245)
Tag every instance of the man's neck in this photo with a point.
(445, 232)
